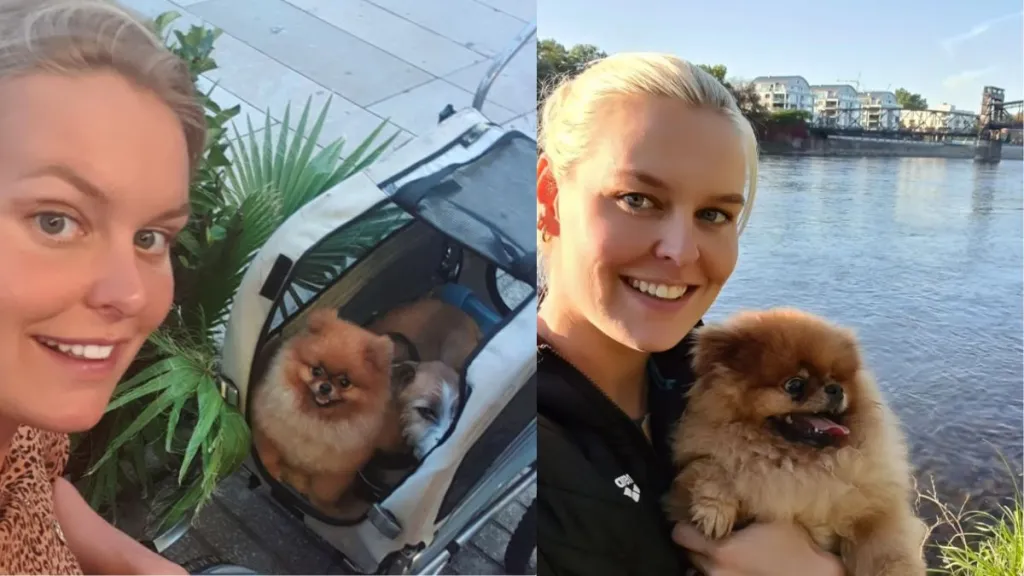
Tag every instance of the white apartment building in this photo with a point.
(785, 93)
(836, 105)
(879, 110)
(942, 118)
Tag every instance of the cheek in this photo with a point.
(159, 283)
(609, 239)
(719, 251)
(45, 284)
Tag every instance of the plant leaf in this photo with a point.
(152, 411)
(209, 410)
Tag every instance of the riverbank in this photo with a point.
(849, 147)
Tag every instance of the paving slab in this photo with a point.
(405, 39)
(351, 67)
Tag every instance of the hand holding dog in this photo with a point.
(758, 550)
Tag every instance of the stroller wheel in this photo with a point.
(523, 543)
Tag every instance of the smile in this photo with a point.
(661, 291)
(80, 351)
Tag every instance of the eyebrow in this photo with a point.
(655, 182)
(90, 189)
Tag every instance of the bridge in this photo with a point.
(997, 121)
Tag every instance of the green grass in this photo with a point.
(982, 543)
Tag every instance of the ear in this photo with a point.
(379, 352)
(403, 373)
(722, 346)
(320, 319)
(547, 194)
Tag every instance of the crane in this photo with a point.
(855, 83)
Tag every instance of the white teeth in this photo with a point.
(789, 419)
(89, 352)
(663, 291)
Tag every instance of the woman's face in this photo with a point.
(648, 220)
(93, 189)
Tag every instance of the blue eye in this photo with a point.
(714, 216)
(635, 202)
(58, 226)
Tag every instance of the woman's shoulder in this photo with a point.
(30, 539)
(32, 447)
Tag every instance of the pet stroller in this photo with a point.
(451, 214)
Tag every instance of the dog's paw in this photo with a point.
(715, 519)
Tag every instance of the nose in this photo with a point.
(834, 391)
(118, 290)
(678, 243)
(324, 389)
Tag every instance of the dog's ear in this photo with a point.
(403, 373)
(320, 319)
(379, 352)
(724, 346)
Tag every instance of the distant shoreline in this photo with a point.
(847, 147)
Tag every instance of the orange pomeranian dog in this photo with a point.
(318, 413)
(784, 423)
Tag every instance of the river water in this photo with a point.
(923, 257)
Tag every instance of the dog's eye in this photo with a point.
(794, 386)
(426, 413)
(344, 382)
(318, 372)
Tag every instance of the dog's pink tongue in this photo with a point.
(827, 426)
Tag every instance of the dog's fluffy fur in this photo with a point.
(740, 461)
(439, 331)
(318, 414)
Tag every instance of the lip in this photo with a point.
(76, 342)
(82, 369)
(658, 304)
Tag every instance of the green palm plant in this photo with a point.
(167, 415)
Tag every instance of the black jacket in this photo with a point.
(600, 482)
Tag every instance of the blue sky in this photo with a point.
(946, 50)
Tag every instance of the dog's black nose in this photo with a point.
(834, 390)
(324, 389)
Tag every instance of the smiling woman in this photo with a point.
(99, 130)
(646, 180)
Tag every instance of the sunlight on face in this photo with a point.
(93, 189)
(649, 219)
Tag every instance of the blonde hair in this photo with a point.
(71, 37)
(568, 111)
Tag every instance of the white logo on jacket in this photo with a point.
(629, 488)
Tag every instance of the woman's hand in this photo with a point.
(758, 550)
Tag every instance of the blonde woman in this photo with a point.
(646, 180)
(99, 129)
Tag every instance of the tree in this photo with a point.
(745, 94)
(555, 62)
(910, 101)
(718, 71)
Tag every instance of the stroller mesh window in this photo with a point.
(321, 266)
(487, 204)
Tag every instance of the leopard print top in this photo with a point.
(31, 541)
